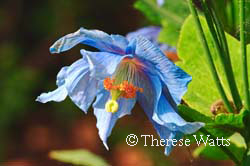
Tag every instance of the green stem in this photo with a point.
(209, 57)
(244, 52)
(222, 50)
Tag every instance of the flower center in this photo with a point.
(122, 85)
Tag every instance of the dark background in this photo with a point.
(30, 130)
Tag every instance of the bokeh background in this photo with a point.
(30, 130)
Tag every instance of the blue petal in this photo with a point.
(106, 120)
(149, 102)
(102, 64)
(61, 76)
(161, 130)
(174, 77)
(150, 32)
(166, 115)
(76, 82)
(94, 38)
(160, 2)
(57, 95)
(81, 87)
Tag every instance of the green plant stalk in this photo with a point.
(209, 57)
(235, 92)
(223, 54)
(221, 33)
(222, 36)
(244, 53)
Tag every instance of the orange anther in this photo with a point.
(108, 83)
(128, 90)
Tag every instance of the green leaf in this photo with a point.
(78, 157)
(215, 152)
(202, 92)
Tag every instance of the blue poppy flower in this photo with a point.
(152, 33)
(122, 72)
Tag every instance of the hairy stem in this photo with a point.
(209, 57)
(223, 52)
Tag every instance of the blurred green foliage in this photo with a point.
(78, 157)
(171, 16)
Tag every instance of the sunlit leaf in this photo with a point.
(78, 157)
(202, 92)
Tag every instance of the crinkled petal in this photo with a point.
(76, 82)
(106, 120)
(167, 116)
(94, 38)
(150, 32)
(174, 77)
(102, 64)
(60, 79)
(161, 130)
(57, 95)
(149, 102)
(81, 87)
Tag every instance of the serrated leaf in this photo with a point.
(202, 92)
(78, 157)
